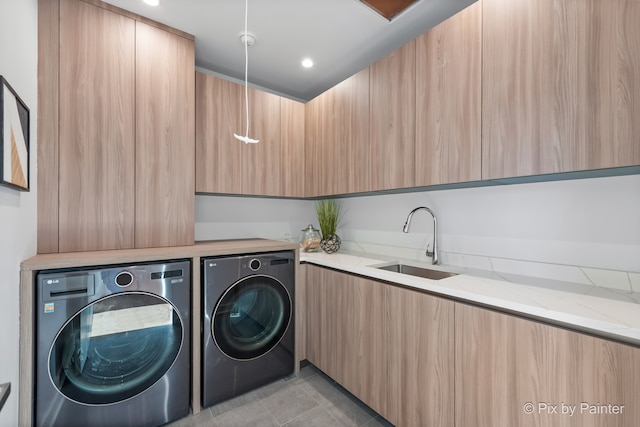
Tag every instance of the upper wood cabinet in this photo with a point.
(165, 138)
(219, 112)
(560, 86)
(509, 368)
(337, 136)
(292, 161)
(226, 165)
(392, 119)
(448, 100)
(261, 162)
(116, 130)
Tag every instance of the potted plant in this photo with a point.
(328, 212)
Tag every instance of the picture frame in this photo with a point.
(14, 139)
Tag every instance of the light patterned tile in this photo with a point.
(202, 419)
(321, 388)
(350, 411)
(253, 414)
(288, 403)
(231, 404)
(316, 417)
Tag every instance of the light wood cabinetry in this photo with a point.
(419, 345)
(261, 162)
(345, 332)
(226, 165)
(118, 150)
(219, 112)
(292, 161)
(392, 119)
(391, 347)
(448, 100)
(337, 137)
(96, 201)
(165, 138)
(504, 363)
(560, 88)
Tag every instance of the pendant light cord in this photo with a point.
(246, 65)
(246, 138)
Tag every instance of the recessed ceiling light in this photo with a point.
(152, 2)
(307, 63)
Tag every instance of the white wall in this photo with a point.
(585, 223)
(224, 217)
(18, 65)
(588, 222)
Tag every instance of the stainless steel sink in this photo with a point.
(417, 271)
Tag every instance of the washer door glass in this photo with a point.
(115, 348)
(251, 317)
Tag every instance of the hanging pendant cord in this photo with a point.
(246, 66)
(246, 138)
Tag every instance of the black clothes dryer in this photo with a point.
(248, 323)
(113, 345)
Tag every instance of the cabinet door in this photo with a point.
(165, 138)
(261, 161)
(292, 162)
(219, 112)
(420, 347)
(392, 119)
(96, 128)
(448, 101)
(560, 88)
(516, 372)
(338, 138)
(314, 180)
(345, 332)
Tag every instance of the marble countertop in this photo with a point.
(601, 311)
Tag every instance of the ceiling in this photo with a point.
(342, 37)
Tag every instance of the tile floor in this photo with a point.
(309, 400)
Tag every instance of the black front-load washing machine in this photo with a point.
(112, 345)
(248, 323)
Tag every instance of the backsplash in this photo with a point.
(620, 281)
(584, 231)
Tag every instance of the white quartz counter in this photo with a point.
(600, 311)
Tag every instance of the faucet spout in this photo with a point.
(433, 254)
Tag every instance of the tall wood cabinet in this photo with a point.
(115, 130)
(97, 125)
(337, 134)
(512, 371)
(226, 165)
(560, 86)
(448, 100)
(165, 138)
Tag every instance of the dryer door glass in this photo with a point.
(115, 348)
(251, 317)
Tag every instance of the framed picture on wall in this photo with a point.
(14, 139)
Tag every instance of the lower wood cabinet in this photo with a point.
(345, 332)
(419, 345)
(391, 347)
(421, 360)
(511, 371)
